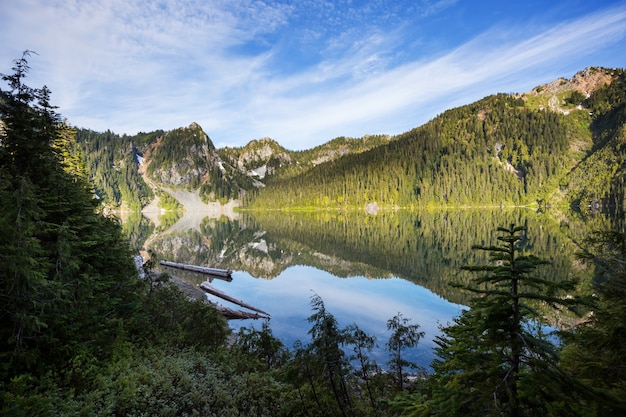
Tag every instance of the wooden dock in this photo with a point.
(223, 273)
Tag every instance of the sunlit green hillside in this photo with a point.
(503, 150)
(560, 144)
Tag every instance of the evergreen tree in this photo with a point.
(495, 360)
(67, 279)
(596, 351)
(261, 345)
(326, 340)
(404, 335)
(362, 344)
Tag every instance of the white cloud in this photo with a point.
(486, 64)
(430, 7)
(243, 71)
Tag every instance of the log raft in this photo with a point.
(224, 273)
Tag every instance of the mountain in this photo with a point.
(187, 158)
(128, 171)
(113, 162)
(182, 157)
(258, 159)
(559, 144)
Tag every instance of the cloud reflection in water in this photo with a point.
(367, 302)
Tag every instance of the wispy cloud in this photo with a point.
(487, 64)
(430, 7)
(300, 73)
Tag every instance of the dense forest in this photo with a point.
(84, 332)
(187, 158)
(112, 162)
(497, 151)
(503, 150)
(449, 160)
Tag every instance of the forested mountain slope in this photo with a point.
(127, 171)
(560, 144)
(112, 162)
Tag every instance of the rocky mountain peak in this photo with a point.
(586, 81)
(590, 79)
(182, 156)
(261, 152)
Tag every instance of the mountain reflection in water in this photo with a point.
(365, 268)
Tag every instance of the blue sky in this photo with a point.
(300, 72)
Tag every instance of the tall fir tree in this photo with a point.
(495, 360)
(67, 279)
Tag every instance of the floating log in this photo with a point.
(224, 273)
(231, 314)
(208, 288)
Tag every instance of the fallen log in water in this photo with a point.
(208, 288)
(225, 273)
(231, 314)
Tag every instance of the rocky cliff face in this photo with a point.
(590, 79)
(552, 95)
(186, 157)
(262, 152)
(260, 158)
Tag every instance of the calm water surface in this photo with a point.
(367, 302)
(365, 268)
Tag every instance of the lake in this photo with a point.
(366, 268)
